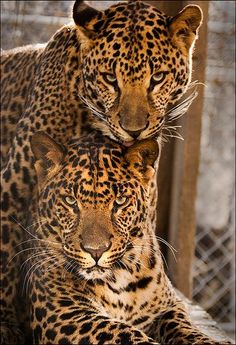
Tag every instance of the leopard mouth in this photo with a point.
(75, 268)
(94, 272)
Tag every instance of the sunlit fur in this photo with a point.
(92, 192)
(135, 44)
(100, 176)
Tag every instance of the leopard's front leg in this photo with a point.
(64, 311)
(174, 327)
(85, 327)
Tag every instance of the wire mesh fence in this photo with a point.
(214, 275)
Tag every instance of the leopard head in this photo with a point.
(135, 62)
(94, 200)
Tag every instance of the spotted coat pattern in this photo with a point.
(98, 276)
(45, 88)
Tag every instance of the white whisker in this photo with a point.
(172, 132)
(137, 262)
(37, 239)
(35, 223)
(93, 109)
(33, 256)
(25, 229)
(159, 239)
(181, 108)
(22, 251)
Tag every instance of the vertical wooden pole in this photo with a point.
(166, 163)
(177, 178)
(184, 183)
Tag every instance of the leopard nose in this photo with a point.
(135, 134)
(96, 251)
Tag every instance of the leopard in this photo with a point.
(115, 70)
(126, 64)
(95, 273)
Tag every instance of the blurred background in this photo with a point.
(213, 267)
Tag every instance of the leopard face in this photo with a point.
(135, 62)
(93, 201)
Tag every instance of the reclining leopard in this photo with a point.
(95, 272)
(126, 64)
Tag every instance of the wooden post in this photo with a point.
(184, 183)
(166, 163)
(177, 177)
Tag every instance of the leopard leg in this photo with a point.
(174, 327)
(66, 312)
(82, 326)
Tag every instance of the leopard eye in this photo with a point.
(69, 200)
(158, 78)
(109, 78)
(120, 201)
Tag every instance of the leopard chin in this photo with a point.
(96, 273)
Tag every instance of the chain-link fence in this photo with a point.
(214, 274)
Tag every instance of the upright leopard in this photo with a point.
(126, 64)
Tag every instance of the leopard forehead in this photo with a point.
(95, 173)
(130, 18)
(133, 35)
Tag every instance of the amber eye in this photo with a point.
(69, 200)
(109, 78)
(120, 201)
(158, 78)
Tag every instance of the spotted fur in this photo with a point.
(126, 64)
(143, 63)
(113, 63)
(98, 276)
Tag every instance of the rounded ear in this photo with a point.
(85, 17)
(184, 27)
(48, 156)
(142, 156)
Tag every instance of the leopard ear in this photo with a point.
(142, 156)
(85, 17)
(48, 156)
(184, 27)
